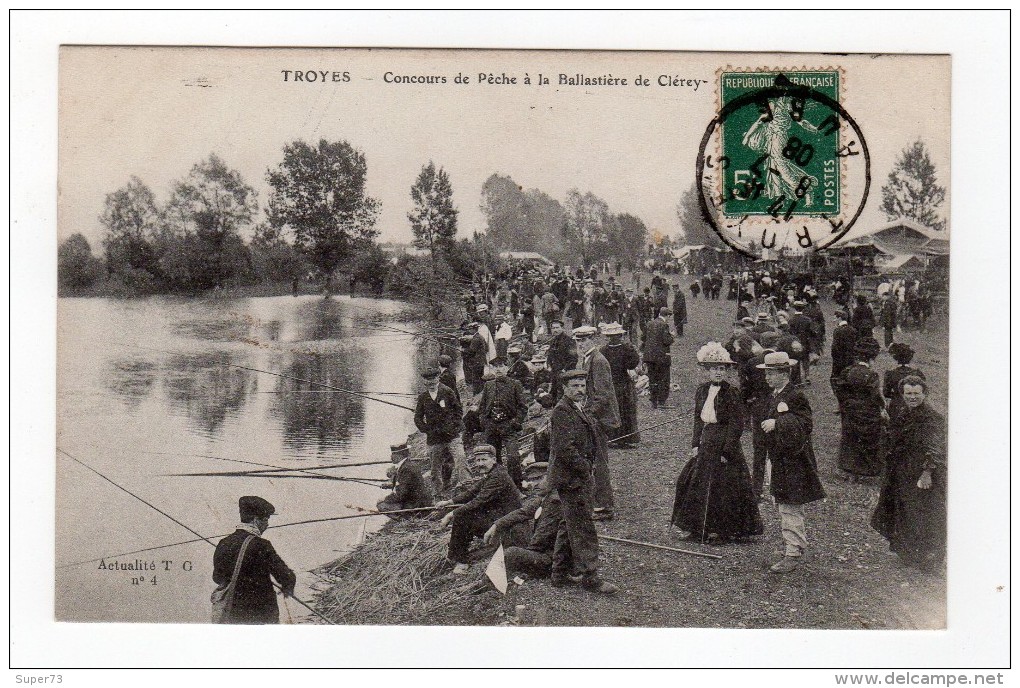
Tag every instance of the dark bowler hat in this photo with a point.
(398, 448)
(445, 360)
(430, 373)
(568, 375)
(499, 361)
(254, 507)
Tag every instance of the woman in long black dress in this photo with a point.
(911, 511)
(863, 410)
(714, 498)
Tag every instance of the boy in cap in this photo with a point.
(438, 415)
(254, 599)
(787, 426)
(493, 495)
(409, 489)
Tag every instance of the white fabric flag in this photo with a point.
(496, 570)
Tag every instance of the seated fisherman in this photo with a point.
(529, 533)
(409, 488)
(480, 504)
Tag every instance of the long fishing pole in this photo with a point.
(366, 514)
(187, 528)
(371, 482)
(274, 468)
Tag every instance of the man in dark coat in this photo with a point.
(493, 495)
(863, 318)
(623, 361)
(409, 488)
(446, 375)
(502, 410)
(788, 425)
(438, 414)
(528, 535)
(757, 395)
(571, 468)
(518, 368)
(602, 407)
(254, 599)
(562, 353)
(887, 317)
(803, 328)
(679, 310)
(474, 358)
(844, 337)
(656, 354)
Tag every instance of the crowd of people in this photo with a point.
(584, 345)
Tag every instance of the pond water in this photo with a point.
(149, 390)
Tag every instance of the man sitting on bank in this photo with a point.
(409, 488)
(528, 534)
(481, 503)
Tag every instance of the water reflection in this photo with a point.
(207, 387)
(226, 328)
(314, 417)
(131, 379)
(322, 319)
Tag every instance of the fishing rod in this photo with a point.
(273, 468)
(249, 474)
(654, 546)
(269, 372)
(365, 514)
(187, 528)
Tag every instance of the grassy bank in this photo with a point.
(850, 582)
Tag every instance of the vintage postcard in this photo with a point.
(503, 338)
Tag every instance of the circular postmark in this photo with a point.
(781, 163)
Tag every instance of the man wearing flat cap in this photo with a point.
(254, 600)
(438, 414)
(574, 434)
(480, 504)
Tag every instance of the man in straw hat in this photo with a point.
(574, 435)
(493, 495)
(602, 407)
(623, 361)
(254, 598)
(787, 426)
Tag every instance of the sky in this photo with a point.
(155, 112)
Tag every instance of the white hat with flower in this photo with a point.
(713, 354)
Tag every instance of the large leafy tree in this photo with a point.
(319, 195)
(588, 225)
(433, 219)
(205, 215)
(130, 217)
(912, 190)
(76, 266)
(503, 205)
(695, 229)
(627, 241)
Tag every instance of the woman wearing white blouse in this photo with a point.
(714, 498)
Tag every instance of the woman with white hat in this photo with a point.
(714, 499)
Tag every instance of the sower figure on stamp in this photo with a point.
(254, 600)
(602, 407)
(788, 425)
(571, 473)
(438, 414)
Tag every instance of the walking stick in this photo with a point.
(653, 546)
